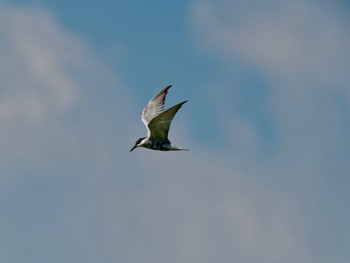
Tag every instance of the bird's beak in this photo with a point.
(133, 148)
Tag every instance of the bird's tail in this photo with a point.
(176, 148)
(181, 149)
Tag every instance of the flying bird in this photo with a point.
(158, 122)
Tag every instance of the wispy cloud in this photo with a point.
(209, 211)
(70, 190)
(37, 65)
(301, 50)
(55, 137)
(48, 75)
(295, 39)
(66, 158)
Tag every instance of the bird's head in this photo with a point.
(137, 143)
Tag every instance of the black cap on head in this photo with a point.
(137, 142)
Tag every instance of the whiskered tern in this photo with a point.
(158, 122)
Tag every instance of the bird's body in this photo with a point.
(159, 145)
(158, 122)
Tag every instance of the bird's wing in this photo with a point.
(155, 106)
(160, 125)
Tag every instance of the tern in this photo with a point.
(158, 122)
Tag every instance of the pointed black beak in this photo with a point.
(133, 148)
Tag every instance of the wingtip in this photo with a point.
(165, 90)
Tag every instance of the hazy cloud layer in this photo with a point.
(71, 192)
(300, 49)
(37, 65)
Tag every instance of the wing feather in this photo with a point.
(159, 126)
(155, 106)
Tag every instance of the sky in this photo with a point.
(267, 124)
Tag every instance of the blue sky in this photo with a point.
(267, 124)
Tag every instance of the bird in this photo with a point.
(157, 122)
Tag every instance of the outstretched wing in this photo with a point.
(155, 106)
(159, 126)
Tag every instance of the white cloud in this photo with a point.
(99, 203)
(47, 74)
(293, 39)
(37, 65)
(300, 47)
(301, 50)
(208, 212)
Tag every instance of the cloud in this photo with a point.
(71, 192)
(37, 65)
(301, 50)
(55, 138)
(299, 53)
(295, 39)
(48, 76)
(210, 211)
